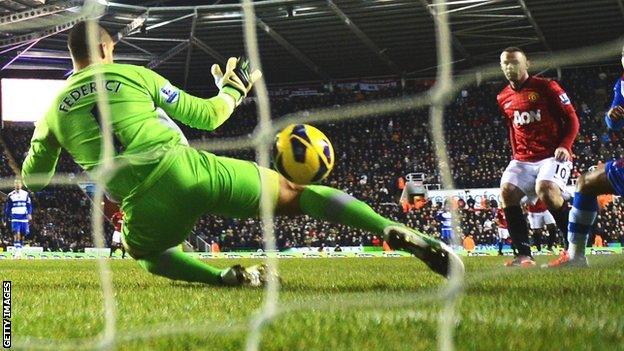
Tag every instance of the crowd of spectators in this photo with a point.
(5, 169)
(371, 155)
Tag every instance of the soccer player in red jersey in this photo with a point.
(542, 127)
(116, 243)
(539, 217)
(503, 232)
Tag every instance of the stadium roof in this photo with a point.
(305, 40)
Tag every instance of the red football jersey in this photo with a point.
(501, 220)
(117, 220)
(539, 206)
(540, 117)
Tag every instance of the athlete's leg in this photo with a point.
(328, 204)
(552, 235)
(517, 223)
(517, 181)
(503, 234)
(605, 179)
(159, 218)
(25, 233)
(550, 193)
(553, 231)
(536, 224)
(514, 249)
(16, 227)
(585, 205)
(551, 181)
(17, 238)
(537, 239)
(174, 264)
(336, 206)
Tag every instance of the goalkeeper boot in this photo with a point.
(521, 261)
(254, 276)
(435, 254)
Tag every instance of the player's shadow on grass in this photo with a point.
(318, 289)
(377, 289)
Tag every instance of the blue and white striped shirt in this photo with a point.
(18, 206)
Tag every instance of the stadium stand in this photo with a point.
(372, 154)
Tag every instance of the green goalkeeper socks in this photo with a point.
(175, 264)
(336, 206)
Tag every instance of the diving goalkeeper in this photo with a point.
(164, 186)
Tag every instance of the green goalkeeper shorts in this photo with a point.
(187, 184)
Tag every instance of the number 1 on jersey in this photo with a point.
(119, 147)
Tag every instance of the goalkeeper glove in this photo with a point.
(237, 76)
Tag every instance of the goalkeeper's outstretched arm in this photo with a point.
(206, 114)
(40, 163)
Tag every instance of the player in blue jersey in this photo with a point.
(18, 211)
(446, 225)
(604, 179)
(615, 116)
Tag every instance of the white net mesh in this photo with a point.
(437, 98)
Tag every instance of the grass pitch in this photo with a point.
(326, 304)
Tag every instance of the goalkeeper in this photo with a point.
(164, 185)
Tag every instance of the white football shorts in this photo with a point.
(503, 233)
(537, 220)
(525, 175)
(116, 237)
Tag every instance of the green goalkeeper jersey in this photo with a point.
(141, 137)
